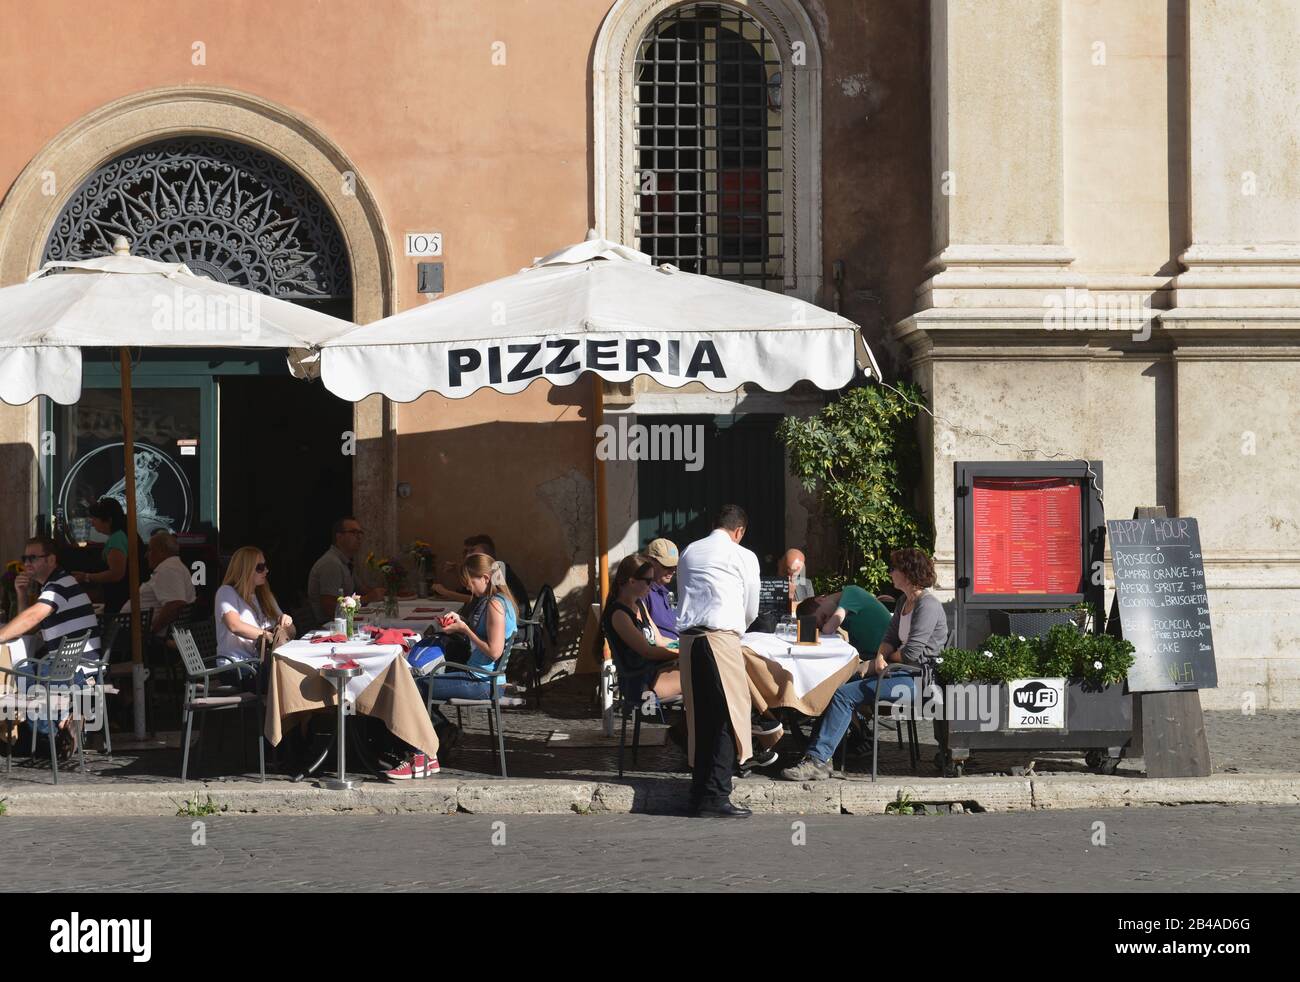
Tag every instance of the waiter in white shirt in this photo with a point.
(717, 599)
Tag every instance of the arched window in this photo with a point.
(708, 130)
(227, 210)
(707, 126)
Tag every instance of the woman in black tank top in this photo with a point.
(638, 648)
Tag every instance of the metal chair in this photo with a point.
(202, 696)
(637, 706)
(56, 670)
(492, 704)
(922, 674)
(112, 628)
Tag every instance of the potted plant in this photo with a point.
(976, 698)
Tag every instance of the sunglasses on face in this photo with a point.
(34, 559)
(261, 568)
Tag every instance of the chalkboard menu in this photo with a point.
(1163, 607)
(774, 595)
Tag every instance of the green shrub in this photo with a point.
(860, 456)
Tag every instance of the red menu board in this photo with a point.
(1028, 535)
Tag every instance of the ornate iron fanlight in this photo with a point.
(228, 211)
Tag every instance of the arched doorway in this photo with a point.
(234, 451)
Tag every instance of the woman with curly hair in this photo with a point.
(917, 630)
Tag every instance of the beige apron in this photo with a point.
(735, 686)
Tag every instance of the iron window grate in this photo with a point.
(709, 145)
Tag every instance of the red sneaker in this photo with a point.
(419, 765)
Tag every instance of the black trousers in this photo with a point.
(715, 743)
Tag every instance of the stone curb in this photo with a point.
(443, 796)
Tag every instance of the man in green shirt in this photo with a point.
(863, 617)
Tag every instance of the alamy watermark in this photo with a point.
(1081, 310)
(61, 701)
(656, 441)
(185, 311)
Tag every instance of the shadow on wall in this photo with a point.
(527, 485)
(17, 471)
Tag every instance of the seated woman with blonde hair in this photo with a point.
(639, 650)
(246, 611)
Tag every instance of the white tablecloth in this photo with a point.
(415, 614)
(809, 665)
(373, 659)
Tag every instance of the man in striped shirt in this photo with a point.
(61, 608)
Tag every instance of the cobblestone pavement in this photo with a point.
(1195, 848)
(1265, 741)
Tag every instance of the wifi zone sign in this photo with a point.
(1036, 704)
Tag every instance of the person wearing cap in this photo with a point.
(662, 554)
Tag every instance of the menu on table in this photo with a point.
(1028, 535)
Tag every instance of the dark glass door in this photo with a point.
(743, 464)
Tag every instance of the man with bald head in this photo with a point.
(794, 567)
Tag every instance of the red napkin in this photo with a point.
(392, 635)
(331, 639)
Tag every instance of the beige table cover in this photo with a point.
(392, 697)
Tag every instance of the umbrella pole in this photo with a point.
(132, 547)
(602, 508)
(602, 551)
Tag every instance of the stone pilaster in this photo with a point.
(998, 175)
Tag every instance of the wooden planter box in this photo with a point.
(1098, 721)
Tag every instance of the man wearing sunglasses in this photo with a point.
(334, 575)
(60, 608)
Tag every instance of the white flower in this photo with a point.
(1022, 637)
(350, 602)
(988, 654)
(938, 661)
(1097, 664)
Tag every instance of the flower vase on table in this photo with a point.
(346, 611)
(394, 576)
(422, 561)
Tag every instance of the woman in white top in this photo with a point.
(246, 609)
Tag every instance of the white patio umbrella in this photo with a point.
(597, 307)
(124, 301)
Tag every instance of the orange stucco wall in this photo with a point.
(497, 157)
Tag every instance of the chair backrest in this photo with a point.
(61, 666)
(546, 612)
(188, 614)
(204, 632)
(503, 663)
(183, 635)
(118, 627)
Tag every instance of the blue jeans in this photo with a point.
(454, 685)
(848, 697)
